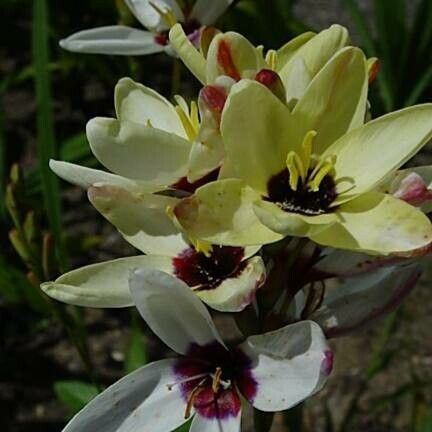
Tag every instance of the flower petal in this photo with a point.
(172, 310)
(289, 365)
(203, 424)
(368, 154)
(141, 219)
(293, 224)
(190, 56)
(221, 212)
(287, 51)
(117, 40)
(207, 12)
(138, 152)
(137, 103)
(362, 300)
(149, 17)
(104, 284)
(318, 50)
(140, 399)
(86, 177)
(235, 293)
(254, 121)
(232, 55)
(335, 100)
(379, 224)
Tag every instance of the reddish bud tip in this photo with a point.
(214, 97)
(267, 77)
(373, 71)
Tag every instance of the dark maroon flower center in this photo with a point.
(191, 27)
(303, 200)
(211, 377)
(184, 185)
(207, 272)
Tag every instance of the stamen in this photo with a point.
(271, 59)
(201, 246)
(193, 395)
(190, 125)
(216, 383)
(194, 117)
(307, 148)
(167, 15)
(295, 168)
(192, 378)
(314, 183)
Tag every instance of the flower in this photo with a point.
(313, 171)
(152, 145)
(230, 56)
(273, 371)
(158, 16)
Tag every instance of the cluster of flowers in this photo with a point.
(252, 198)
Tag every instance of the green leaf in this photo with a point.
(75, 394)
(423, 418)
(184, 427)
(75, 148)
(45, 124)
(136, 353)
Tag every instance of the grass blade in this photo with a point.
(45, 125)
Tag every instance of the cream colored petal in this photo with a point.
(335, 100)
(141, 218)
(318, 50)
(365, 156)
(378, 224)
(293, 224)
(102, 285)
(257, 129)
(138, 152)
(137, 103)
(190, 56)
(231, 54)
(235, 293)
(288, 51)
(221, 212)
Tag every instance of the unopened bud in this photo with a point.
(214, 98)
(272, 81)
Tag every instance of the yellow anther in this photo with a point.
(201, 246)
(307, 149)
(194, 116)
(188, 123)
(292, 163)
(315, 181)
(149, 123)
(272, 59)
(216, 383)
(167, 15)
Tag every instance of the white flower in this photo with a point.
(273, 371)
(158, 16)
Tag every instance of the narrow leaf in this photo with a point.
(75, 394)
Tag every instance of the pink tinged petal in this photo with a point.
(204, 424)
(140, 400)
(288, 364)
(116, 40)
(327, 363)
(364, 299)
(413, 190)
(172, 310)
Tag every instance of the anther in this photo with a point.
(189, 121)
(271, 59)
(192, 396)
(216, 383)
(192, 378)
